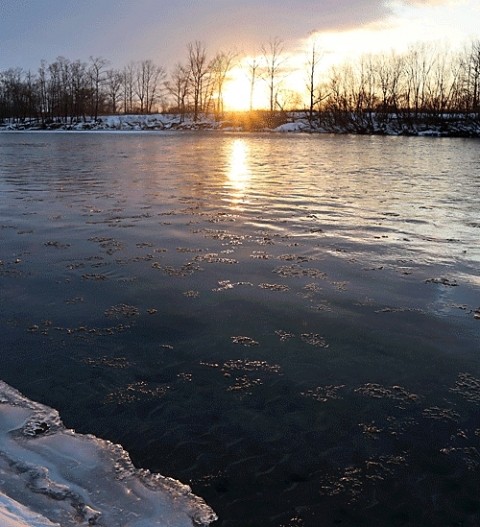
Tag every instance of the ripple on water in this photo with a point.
(337, 391)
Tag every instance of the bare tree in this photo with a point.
(441, 84)
(155, 78)
(44, 109)
(419, 61)
(178, 87)
(253, 66)
(113, 81)
(315, 95)
(219, 68)
(65, 87)
(474, 77)
(81, 89)
(274, 62)
(148, 79)
(390, 71)
(198, 67)
(97, 76)
(128, 87)
(16, 85)
(54, 89)
(288, 100)
(140, 85)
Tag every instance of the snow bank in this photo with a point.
(51, 476)
(13, 514)
(448, 126)
(298, 126)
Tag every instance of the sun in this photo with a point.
(238, 95)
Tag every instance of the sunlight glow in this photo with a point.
(237, 91)
(449, 23)
(238, 94)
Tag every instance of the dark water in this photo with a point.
(288, 324)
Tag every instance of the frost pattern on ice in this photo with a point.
(68, 479)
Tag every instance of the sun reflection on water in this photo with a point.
(239, 167)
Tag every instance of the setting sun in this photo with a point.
(238, 94)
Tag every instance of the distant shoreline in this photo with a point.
(292, 123)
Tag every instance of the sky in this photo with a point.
(130, 30)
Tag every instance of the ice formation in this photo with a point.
(52, 476)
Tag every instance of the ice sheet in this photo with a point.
(50, 475)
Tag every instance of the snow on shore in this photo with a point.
(132, 123)
(14, 514)
(51, 477)
(447, 125)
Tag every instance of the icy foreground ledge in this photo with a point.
(51, 476)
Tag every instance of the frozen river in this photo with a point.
(289, 325)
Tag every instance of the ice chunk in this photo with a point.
(13, 514)
(50, 475)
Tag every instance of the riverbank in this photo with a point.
(293, 122)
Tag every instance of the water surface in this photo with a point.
(287, 324)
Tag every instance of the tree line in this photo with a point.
(74, 90)
(425, 83)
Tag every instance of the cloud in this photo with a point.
(429, 3)
(124, 30)
(247, 24)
